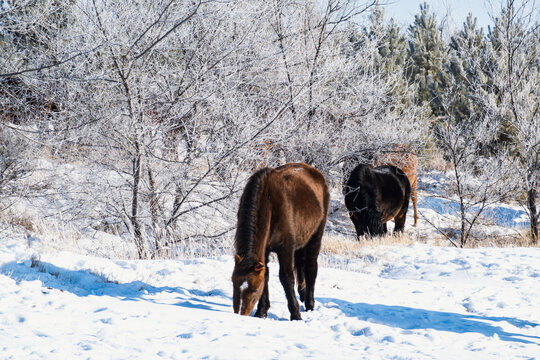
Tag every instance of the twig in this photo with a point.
(438, 229)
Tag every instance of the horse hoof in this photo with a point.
(261, 315)
(296, 317)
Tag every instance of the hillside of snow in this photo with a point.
(398, 302)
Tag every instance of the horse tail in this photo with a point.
(402, 214)
(407, 186)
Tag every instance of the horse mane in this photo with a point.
(247, 212)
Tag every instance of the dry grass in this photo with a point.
(517, 239)
(42, 235)
(56, 238)
(23, 220)
(348, 245)
(51, 236)
(520, 239)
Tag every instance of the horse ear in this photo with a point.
(258, 267)
(238, 259)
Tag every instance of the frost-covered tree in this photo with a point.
(15, 165)
(29, 29)
(308, 47)
(477, 180)
(169, 106)
(515, 100)
(160, 97)
(389, 53)
(378, 108)
(370, 114)
(28, 34)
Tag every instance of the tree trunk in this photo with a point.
(533, 214)
(154, 211)
(137, 233)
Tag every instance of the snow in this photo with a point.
(432, 197)
(507, 216)
(393, 302)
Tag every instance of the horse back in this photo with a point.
(393, 190)
(300, 200)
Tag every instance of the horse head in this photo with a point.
(248, 283)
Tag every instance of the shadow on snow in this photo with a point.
(87, 283)
(501, 215)
(408, 318)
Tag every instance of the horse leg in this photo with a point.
(360, 228)
(400, 218)
(264, 301)
(376, 226)
(414, 198)
(286, 276)
(312, 252)
(299, 264)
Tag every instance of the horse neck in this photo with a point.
(261, 236)
(254, 218)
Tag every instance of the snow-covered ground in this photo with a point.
(433, 202)
(398, 302)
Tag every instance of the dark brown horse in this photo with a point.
(375, 196)
(283, 210)
(403, 157)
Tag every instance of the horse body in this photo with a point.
(403, 157)
(283, 210)
(375, 196)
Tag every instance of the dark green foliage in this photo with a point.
(467, 68)
(428, 56)
(389, 54)
(390, 42)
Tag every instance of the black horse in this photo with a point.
(374, 196)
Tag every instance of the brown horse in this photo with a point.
(375, 196)
(283, 210)
(403, 157)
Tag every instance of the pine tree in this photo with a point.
(467, 68)
(427, 57)
(504, 42)
(394, 48)
(388, 59)
(389, 41)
